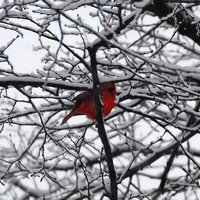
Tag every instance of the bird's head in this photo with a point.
(109, 87)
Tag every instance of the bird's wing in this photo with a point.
(85, 96)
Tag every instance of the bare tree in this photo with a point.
(147, 148)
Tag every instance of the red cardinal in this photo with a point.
(85, 104)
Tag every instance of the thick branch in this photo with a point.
(101, 129)
(39, 82)
(187, 25)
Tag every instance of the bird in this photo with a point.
(85, 103)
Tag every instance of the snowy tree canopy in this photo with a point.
(147, 148)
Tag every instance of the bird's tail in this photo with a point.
(72, 113)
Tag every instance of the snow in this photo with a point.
(142, 4)
(59, 73)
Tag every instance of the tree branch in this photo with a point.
(179, 17)
(101, 129)
(17, 81)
